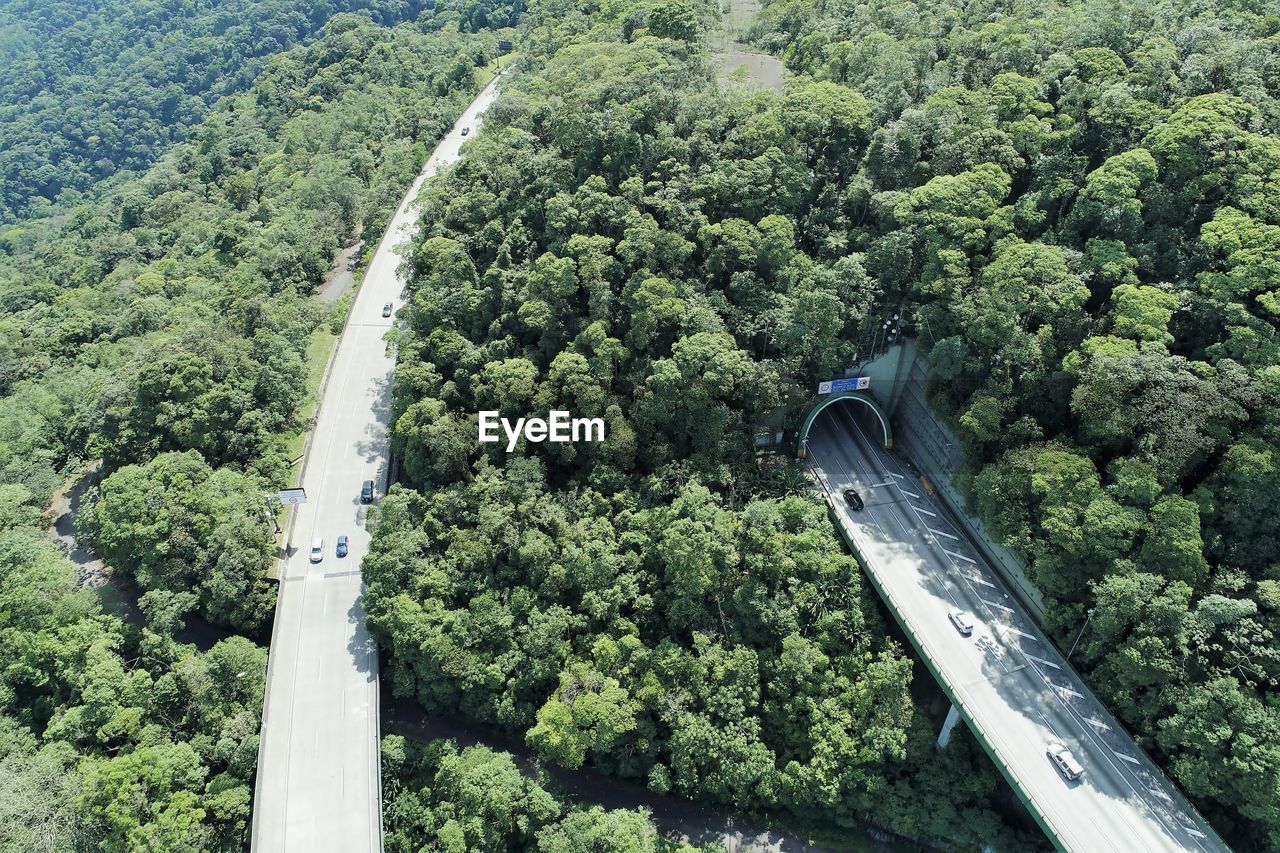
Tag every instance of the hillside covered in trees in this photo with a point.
(163, 328)
(620, 242)
(1073, 207)
(1076, 206)
(88, 90)
(477, 799)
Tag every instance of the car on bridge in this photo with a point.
(962, 623)
(1064, 761)
(853, 499)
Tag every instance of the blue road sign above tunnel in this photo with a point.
(839, 386)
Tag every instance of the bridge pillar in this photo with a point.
(944, 736)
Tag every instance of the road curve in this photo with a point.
(1011, 685)
(318, 786)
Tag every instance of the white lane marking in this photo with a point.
(984, 583)
(924, 512)
(908, 492)
(1068, 707)
(1123, 757)
(942, 533)
(960, 556)
(880, 485)
(1014, 630)
(1097, 724)
(1061, 689)
(1043, 661)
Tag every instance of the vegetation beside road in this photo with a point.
(1070, 207)
(164, 327)
(90, 92)
(477, 799)
(624, 241)
(1073, 206)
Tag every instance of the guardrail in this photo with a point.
(1172, 808)
(900, 617)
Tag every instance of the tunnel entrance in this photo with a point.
(855, 398)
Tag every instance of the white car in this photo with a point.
(1064, 761)
(317, 550)
(962, 623)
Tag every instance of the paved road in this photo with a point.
(318, 774)
(1011, 685)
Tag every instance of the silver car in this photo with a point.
(962, 623)
(1064, 761)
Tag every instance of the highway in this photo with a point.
(1011, 685)
(318, 783)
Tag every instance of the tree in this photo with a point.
(595, 830)
(590, 712)
(675, 19)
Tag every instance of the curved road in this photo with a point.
(1008, 681)
(318, 785)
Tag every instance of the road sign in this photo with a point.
(839, 386)
(292, 497)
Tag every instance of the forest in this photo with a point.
(90, 90)
(1077, 208)
(1071, 205)
(478, 799)
(161, 325)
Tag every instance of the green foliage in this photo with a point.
(1080, 221)
(112, 738)
(88, 93)
(477, 799)
(625, 242)
(163, 326)
(175, 525)
(1067, 208)
(171, 315)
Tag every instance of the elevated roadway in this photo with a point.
(318, 785)
(1007, 681)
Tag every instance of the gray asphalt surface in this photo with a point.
(318, 771)
(1012, 685)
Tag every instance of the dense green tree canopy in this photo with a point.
(92, 91)
(1076, 205)
(162, 326)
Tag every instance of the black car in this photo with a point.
(465, 131)
(852, 499)
(366, 492)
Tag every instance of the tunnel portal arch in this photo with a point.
(865, 399)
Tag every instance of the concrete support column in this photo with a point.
(944, 736)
